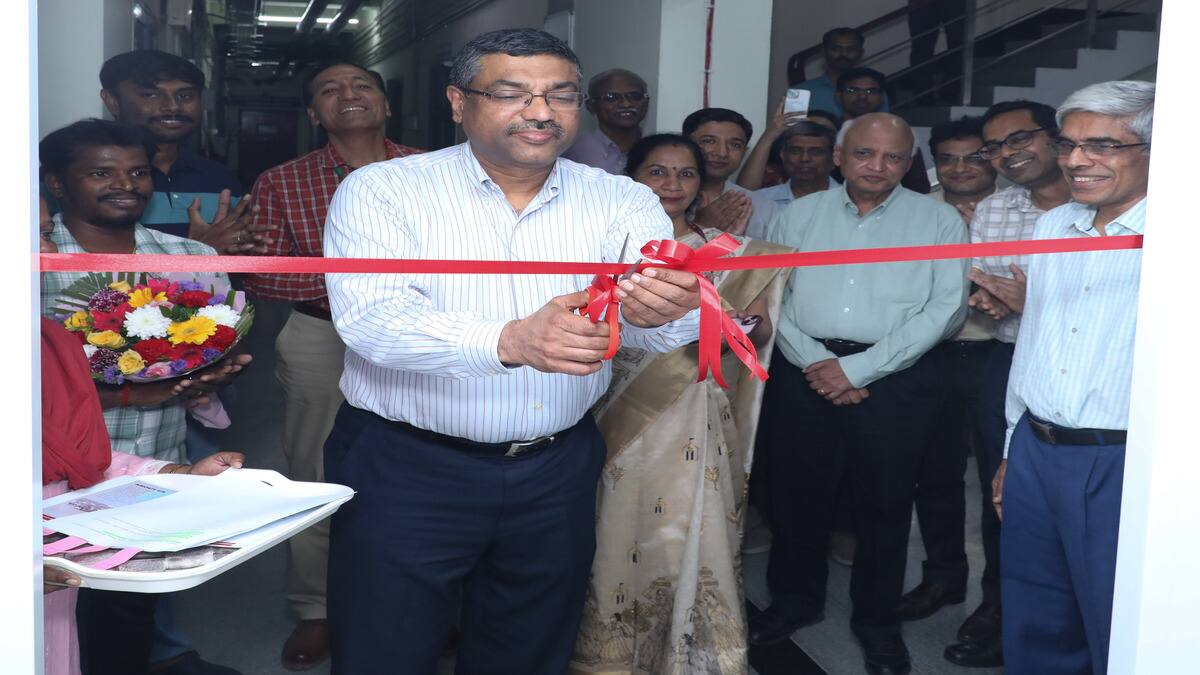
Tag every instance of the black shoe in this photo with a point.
(983, 625)
(884, 654)
(774, 625)
(190, 663)
(925, 600)
(976, 654)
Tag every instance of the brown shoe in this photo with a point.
(307, 646)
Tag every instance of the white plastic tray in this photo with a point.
(249, 544)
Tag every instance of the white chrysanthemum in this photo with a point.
(222, 315)
(88, 350)
(146, 322)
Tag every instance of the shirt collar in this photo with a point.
(66, 243)
(485, 184)
(329, 157)
(1018, 197)
(845, 196)
(1133, 220)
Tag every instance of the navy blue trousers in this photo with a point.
(1058, 554)
(430, 524)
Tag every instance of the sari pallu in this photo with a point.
(665, 595)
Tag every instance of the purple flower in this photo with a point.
(209, 354)
(178, 366)
(190, 286)
(216, 300)
(107, 300)
(113, 376)
(103, 359)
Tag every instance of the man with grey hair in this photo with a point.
(855, 387)
(466, 431)
(618, 99)
(1068, 394)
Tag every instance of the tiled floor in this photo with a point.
(240, 619)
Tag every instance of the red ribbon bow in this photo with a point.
(715, 324)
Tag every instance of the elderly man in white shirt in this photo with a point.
(466, 431)
(1068, 394)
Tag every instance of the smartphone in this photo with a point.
(796, 101)
(747, 324)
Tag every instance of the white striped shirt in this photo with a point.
(1074, 356)
(422, 348)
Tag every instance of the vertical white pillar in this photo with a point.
(1154, 629)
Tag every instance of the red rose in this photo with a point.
(153, 350)
(221, 339)
(114, 320)
(193, 355)
(194, 298)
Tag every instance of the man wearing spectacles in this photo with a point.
(1068, 393)
(843, 50)
(855, 390)
(861, 91)
(619, 101)
(466, 431)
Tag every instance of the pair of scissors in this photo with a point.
(620, 259)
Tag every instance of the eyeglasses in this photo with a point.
(869, 91)
(1063, 147)
(1016, 140)
(515, 99)
(946, 159)
(627, 97)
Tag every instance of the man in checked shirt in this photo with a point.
(349, 103)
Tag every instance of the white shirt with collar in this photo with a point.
(423, 348)
(1073, 362)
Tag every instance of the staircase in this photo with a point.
(1057, 61)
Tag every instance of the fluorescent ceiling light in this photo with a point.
(267, 18)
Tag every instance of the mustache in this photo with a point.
(536, 125)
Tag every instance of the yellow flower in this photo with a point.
(79, 321)
(122, 286)
(144, 296)
(106, 338)
(195, 330)
(130, 362)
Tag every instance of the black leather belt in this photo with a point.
(513, 449)
(844, 347)
(311, 309)
(1049, 432)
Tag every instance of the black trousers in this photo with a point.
(940, 497)
(923, 24)
(430, 522)
(116, 631)
(992, 427)
(885, 437)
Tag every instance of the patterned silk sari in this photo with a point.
(665, 597)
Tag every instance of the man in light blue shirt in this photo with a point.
(806, 153)
(854, 363)
(843, 50)
(1068, 394)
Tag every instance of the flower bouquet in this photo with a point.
(143, 328)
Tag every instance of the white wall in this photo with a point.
(622, 34)
(70, 53)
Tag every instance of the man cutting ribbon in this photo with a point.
(466, 431)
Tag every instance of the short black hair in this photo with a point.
(860, 73)
(811, 129)
(706, 115)
(512, 42)
(60, 147)
(1043, 115)
(827, 38)
(311, 74)
(146, 68)
(826, 115)
(648, 144)
(966, 127)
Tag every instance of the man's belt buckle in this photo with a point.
(518, 449)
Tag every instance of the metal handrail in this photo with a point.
(1090, 20)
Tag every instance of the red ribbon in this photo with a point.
(715, 324)
(603, 304)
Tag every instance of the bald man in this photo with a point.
(619, 101)
(854, 386)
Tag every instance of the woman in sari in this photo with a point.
(665, 595)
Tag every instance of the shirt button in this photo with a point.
(851, 282)
(846, 310)
(491, 371)
(1086, 289)
(1074, 330)
(537, 405)
(174, 195)
(1058, 414)
(1063, 371)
